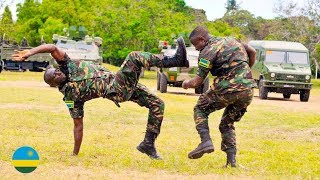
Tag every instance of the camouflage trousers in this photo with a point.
(126, 87)
(235, 105)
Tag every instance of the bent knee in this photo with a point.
(133, 54)
(161, 104)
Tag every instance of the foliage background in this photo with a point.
(127, 25)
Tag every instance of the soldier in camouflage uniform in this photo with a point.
(228, 60)
(81, 81)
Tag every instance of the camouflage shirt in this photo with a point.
(85, 81)
(227, 59)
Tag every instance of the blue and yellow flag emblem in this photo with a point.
(25, 159)
(70, 104)
(204, 63)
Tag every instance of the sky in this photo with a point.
(216, 8)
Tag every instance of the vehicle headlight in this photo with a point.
(307, 77)
(273, 75)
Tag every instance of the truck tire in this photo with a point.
(158, 81)
(304, 95)
(263, 91)
(1, 65)
(286, 96)
(163, 83)
(203, 88)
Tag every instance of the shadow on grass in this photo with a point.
(274, 99)
(184, 93)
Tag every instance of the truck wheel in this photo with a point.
(163, 83)
(286, 96)
(158, 81)
(198, 90)
(304, 95)
(263, 91)
(1, 66)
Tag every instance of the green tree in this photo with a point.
(50, 27)
(6, 23)
(232, 5)
(244, 20)
(299, 24)
(124, 25)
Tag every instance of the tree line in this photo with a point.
(127, 25)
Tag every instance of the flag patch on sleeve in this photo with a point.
(70, 104)
(204, 63)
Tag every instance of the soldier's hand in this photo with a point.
(21, 55)
(185, 84)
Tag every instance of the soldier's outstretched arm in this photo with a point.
(193, 83)
(251, 53)
(78, 134)
(56, 53)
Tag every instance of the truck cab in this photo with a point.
(282, 67)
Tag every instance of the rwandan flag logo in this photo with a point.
(70, 104)
(25, 159)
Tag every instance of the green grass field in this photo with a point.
(276, 138)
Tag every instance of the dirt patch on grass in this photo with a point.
(33, 84)
(274, 99)
(293, 104)
(54, 170)
(305, 135)
(32, 107)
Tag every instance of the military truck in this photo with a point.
(36, 63)
(282, 67)
(175, 76)
(78, 45)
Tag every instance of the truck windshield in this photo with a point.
(298, 57)
(292, 57)
(275, 56)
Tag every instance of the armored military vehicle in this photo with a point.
(282, 67)
(175, 76)
(79, 45)
(37, 62)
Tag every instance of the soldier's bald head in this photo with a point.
(54, 77)
(49, 75)
(199, 31)
(199, 37)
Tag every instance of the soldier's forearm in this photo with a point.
(251, 54)
(195, 82)
(46, 48)
(56, 53)
(78, 134)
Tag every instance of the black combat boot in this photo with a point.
(231, 159)
(205, 146)
(179, 59)
(147, 146)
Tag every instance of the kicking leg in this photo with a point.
(144, 98)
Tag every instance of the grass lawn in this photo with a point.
(276, 138)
